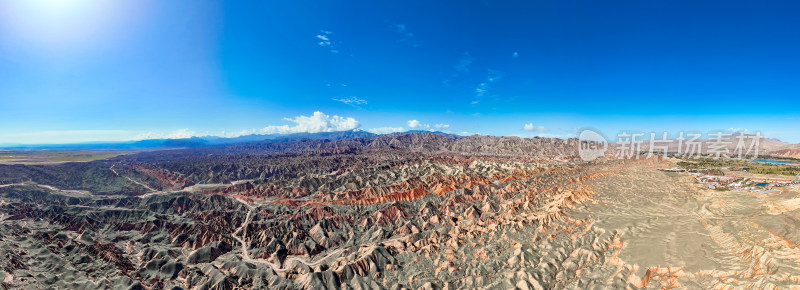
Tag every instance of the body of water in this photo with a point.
(774, 161)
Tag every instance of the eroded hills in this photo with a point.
(397, 211)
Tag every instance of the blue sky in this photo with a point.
(82, 70)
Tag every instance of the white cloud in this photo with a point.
(417, 124)
(177, 134)
(441, 126)
(482, 89)
(737, 130)
(515, 55)
(531, 127)
(494, 75)
(464, 62)
(386, 130)
(325, 40)
(318, 122)
(407, 35)
(540, 131)
(351, 100)
(181, 134)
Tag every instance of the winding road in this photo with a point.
(194, 188)
(246, 254)
(134, 181)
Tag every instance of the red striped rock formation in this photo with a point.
(169, 179)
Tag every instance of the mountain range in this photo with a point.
(417, 140)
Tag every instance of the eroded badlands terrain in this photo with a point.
(404, 211)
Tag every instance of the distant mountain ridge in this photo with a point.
(536, 148)
(792, 151)
(198, 142)
(766, 146)
(415, 141)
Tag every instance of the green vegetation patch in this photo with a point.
(716, 165)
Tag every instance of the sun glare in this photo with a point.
(62, 25)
